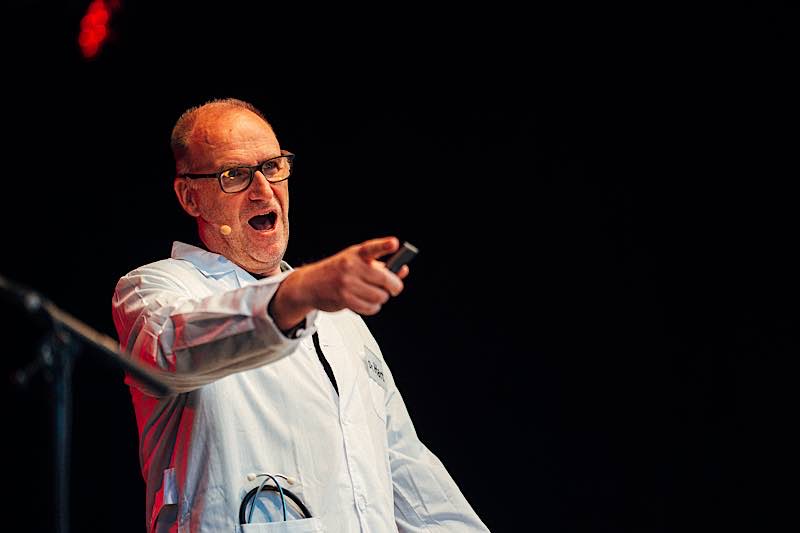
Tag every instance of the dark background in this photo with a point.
(596, 332)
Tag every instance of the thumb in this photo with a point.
(374, 248)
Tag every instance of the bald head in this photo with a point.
(185, 131)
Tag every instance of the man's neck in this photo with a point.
(197, 241)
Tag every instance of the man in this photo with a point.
(277, 378)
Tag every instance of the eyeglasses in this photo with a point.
(238, 179)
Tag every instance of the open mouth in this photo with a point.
(264, 222)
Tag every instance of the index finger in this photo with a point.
(375, 248)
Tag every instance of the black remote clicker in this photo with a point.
(402, 256)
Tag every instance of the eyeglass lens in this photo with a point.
(237, 179)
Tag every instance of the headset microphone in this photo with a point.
(224, 229)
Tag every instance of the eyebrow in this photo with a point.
(238, 164)
(232, 164)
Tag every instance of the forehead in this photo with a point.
(221, 127)
(231, 134)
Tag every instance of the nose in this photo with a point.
(260, 189)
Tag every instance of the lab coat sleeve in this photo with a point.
(191, 341)
(426, 499)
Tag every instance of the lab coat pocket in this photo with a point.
(305, 525)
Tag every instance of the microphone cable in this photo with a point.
(245, 517)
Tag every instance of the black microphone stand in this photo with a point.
(57, 350)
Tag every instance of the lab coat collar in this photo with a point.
(211, 264)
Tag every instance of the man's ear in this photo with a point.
(186, 196)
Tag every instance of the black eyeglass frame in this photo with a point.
(252, 170)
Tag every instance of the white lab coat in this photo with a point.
(252, 400)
